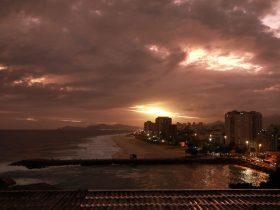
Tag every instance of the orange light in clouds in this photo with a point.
(158, 111)
(272, 21)
(3, 67)
(43, 80)
(216, 60)
(37, 80)
(31, 81)
(194, 56)
(151, 110)
(158, 51)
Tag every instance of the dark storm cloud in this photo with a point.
(92, 60)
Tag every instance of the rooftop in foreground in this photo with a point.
(142, 199)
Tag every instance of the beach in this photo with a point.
(117, 176)
(130, 145)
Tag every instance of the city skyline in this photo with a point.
(241, 130)
(85, 62)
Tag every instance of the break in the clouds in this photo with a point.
(90, 61)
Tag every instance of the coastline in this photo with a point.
(147, 154)
(130, 145)
(120, 148)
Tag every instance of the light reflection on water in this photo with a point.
(240, 174)
(199, 176)
(195, 176)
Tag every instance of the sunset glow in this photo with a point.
(272, 21)
(31, 119)
(31, 81)
(2, 68)
(151, 110)
(158, 51)
(122, 61)
(43, 80)
(134, 104)
(37, 80)
(159, 111)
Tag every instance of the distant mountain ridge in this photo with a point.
(102, 127)
(267, 120)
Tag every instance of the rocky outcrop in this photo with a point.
(6, 182)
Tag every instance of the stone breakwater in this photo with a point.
(43, 163)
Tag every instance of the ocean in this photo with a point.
(195, 176)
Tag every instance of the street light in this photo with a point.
(247, 143)
(225, 139)
(260, 145)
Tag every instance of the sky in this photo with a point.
(80, 62)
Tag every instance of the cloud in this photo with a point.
(71, 121)
(92, 60)
(273, 88)
(219, 61)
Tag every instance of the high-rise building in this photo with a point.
(269, 138)
(162, 126)
(149, 127)
(173, 132)
(162, 129)
(242, 127)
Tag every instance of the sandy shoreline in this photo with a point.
(130, 145)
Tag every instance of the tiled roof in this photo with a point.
(142, 199)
